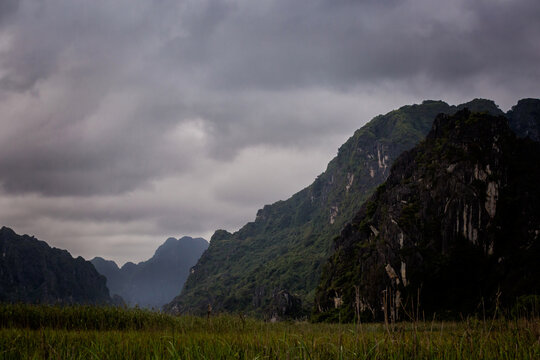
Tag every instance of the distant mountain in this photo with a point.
(155, 282)
(111, 271)
(457, 223)
(33, 272)
(524, 118)
(271, 266)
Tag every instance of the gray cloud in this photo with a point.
(134, 120)
(296, 44)
(7, 8)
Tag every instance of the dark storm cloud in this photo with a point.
(304, 43)
(102, 129)
(7, 7)
(137, 119)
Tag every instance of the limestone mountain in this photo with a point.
(33, 272)
(455, 228)
(524, 118)
(111, 271)
(154, 282)
(271, 266)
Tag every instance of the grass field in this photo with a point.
(84, 332)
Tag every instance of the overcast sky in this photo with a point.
(124, 122)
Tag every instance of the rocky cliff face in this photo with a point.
(154, 282)
(33, 272)
(282, 251)
(455, 226)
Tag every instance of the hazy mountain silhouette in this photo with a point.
(154, 282)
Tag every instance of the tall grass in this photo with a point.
(46, 332)
(80, 317)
